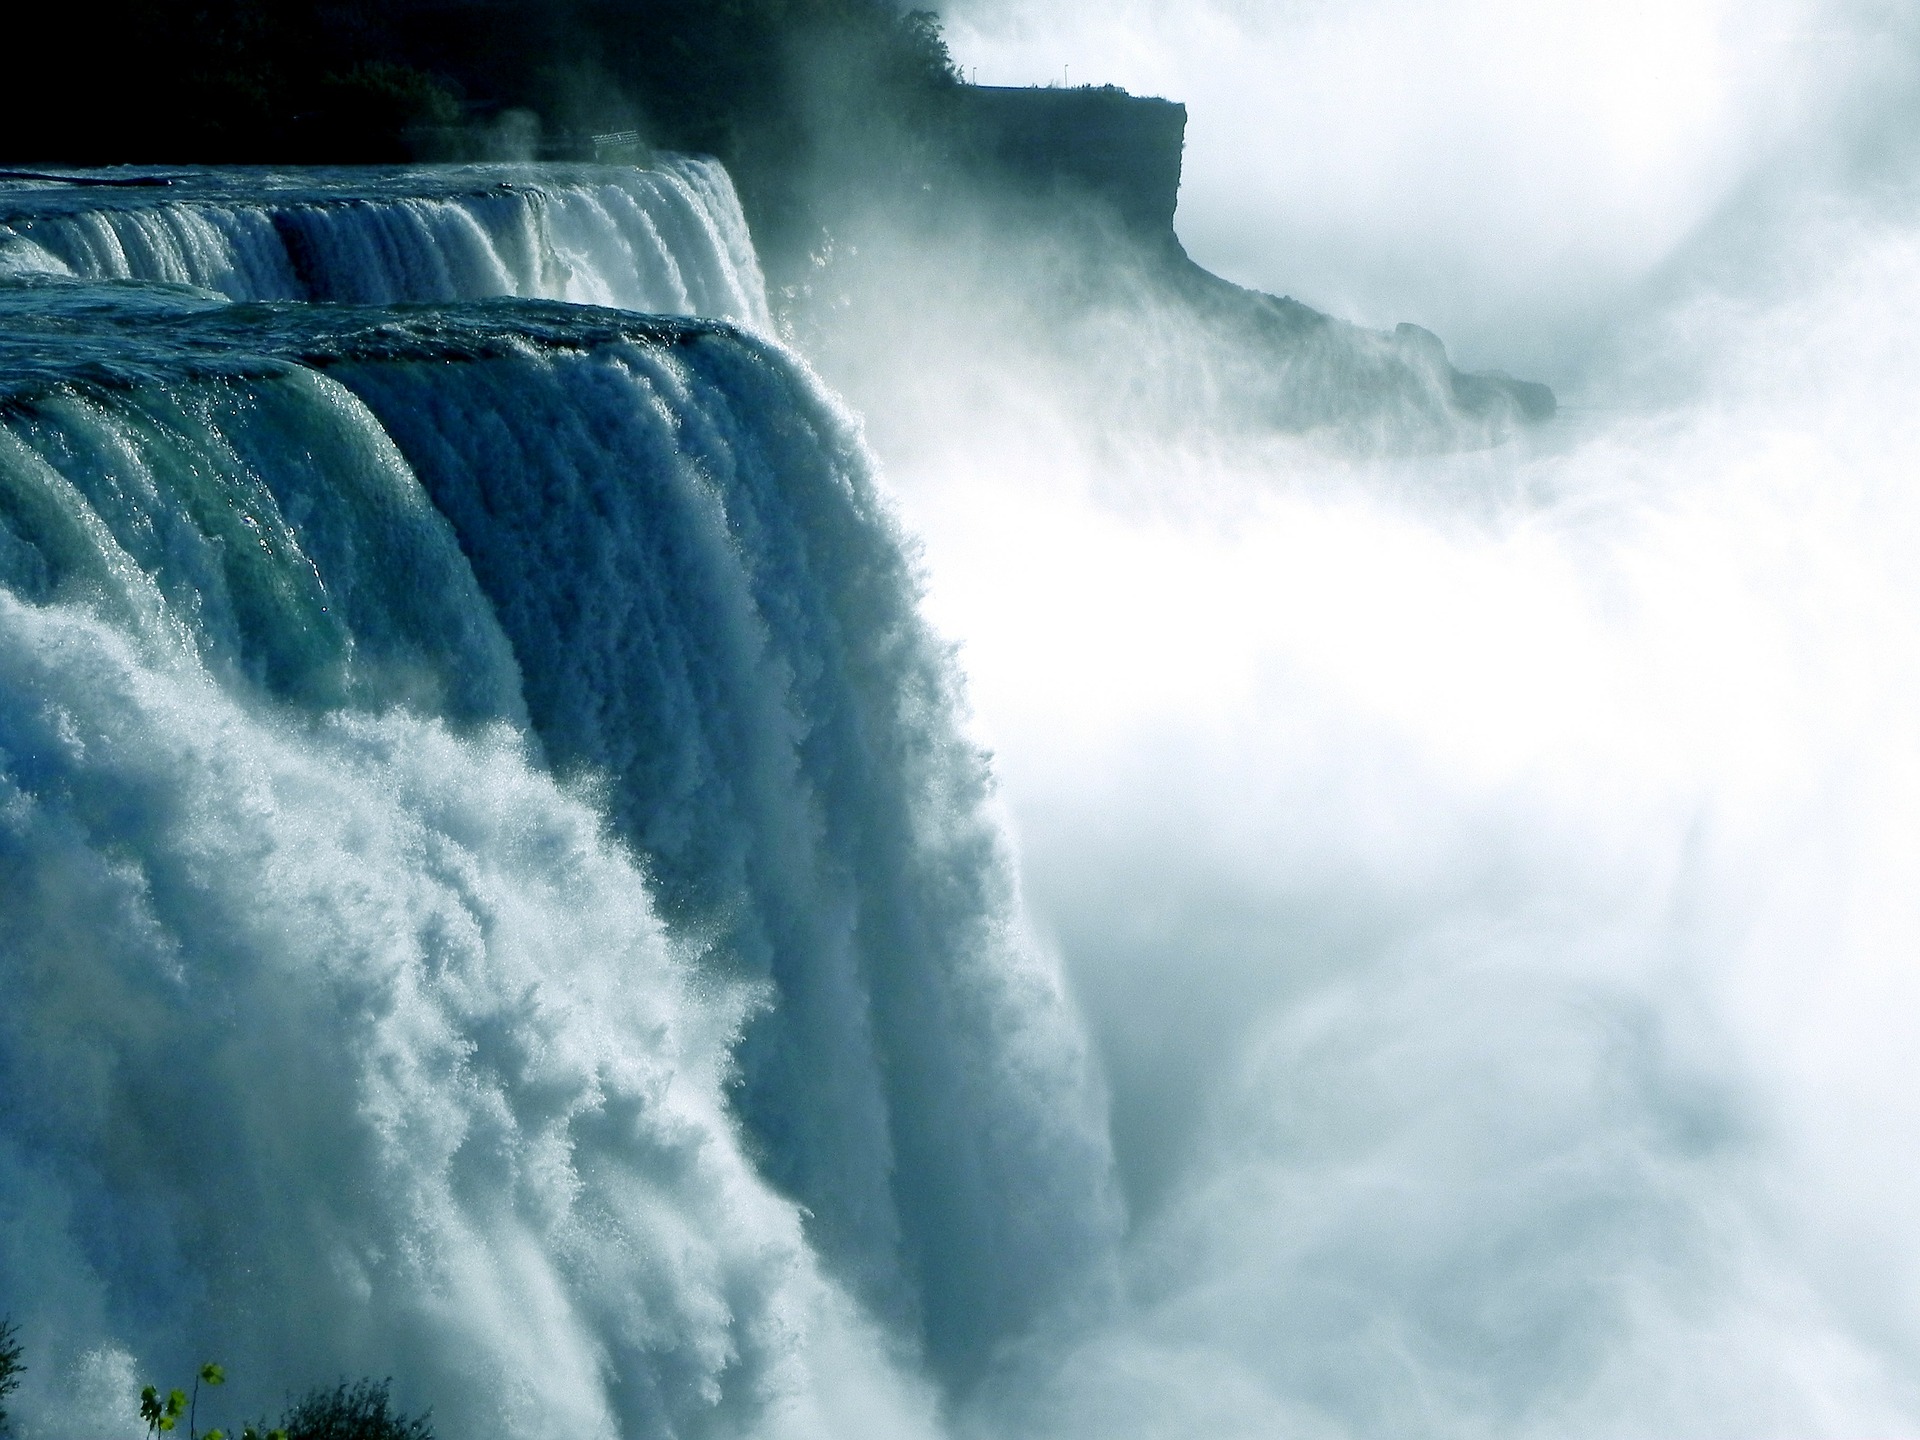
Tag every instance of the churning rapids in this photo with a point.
(499, 886)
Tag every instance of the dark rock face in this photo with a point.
(1099, 170)
(1099, 143)
(1057, 206)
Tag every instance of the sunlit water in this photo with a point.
(668, 238)
(500, 891)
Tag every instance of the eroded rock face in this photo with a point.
(1037, 227)
(1099, 143)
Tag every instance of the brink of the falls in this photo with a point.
(497, 893)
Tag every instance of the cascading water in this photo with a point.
(497, 889)
(496, 893)
(669, 239)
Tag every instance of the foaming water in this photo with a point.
(502, 888)
(730, 639)
(357, 1048)
(666, 239)
(377, 682)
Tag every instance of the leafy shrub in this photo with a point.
(352, 1412)
(10, 1366)
(368, 112)
(346, 1412)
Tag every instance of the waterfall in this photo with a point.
(502, 884)
(497, 891)
(666, 239)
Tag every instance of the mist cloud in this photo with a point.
(1504, 173)
(1487, 878)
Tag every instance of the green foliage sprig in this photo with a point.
(347, 1412)
(161, 1416)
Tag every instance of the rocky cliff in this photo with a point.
(1099, 143)
(1061, 203)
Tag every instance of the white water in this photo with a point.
(1486, 882)
(668, 239)
(344, 1038)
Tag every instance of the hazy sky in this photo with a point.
(1504, 171)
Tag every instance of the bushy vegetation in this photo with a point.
(352, 1412)
(206, 81)
(358, 1411)
(10, 1367)
(775, 88)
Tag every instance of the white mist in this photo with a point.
(1488, 879)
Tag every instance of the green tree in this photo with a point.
(10, 1366)
(351, 1412)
